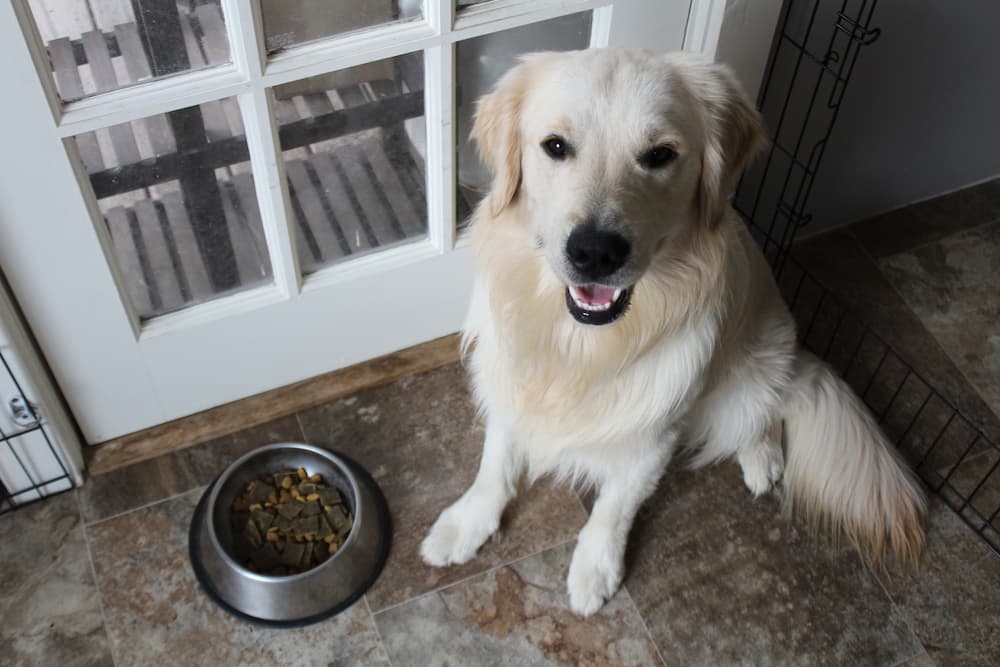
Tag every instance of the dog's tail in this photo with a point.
(843, 475)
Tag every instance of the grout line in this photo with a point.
(93, 574)
(435, 591)
(142, 507)
(903, 661)
(645, 626)
(378, 633)
(302, 429)
(298, 422)
(447, 609)
(902, 615)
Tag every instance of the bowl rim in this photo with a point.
(228, 472)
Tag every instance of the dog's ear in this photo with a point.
(734, 133)
(496, 129)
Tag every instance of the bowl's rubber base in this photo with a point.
(382, 511)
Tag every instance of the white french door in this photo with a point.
(201, 200)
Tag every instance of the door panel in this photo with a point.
(177, 195)
(356, 182)
(96, 46)
(325, 328)
(288, 23)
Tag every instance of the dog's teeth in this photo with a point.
(594, 307)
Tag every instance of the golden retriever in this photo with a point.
(621, 309)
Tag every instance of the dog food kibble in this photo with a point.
(289, 522)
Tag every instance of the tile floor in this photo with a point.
(100, 575)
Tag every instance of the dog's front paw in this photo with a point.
(763, 465)
(457, 535)
(594, 576)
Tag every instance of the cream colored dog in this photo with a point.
(622, 309)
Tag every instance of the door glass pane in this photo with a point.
(479, 63)
(178, 198)
(353, 143)
(100, 45)
(291, 22)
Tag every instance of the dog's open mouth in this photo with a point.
(597, 304)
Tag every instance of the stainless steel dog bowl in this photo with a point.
(307, 597)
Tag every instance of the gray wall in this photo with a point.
(922, 114)
(745, 39)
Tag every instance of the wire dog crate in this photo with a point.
(804, 86)
(30, 467)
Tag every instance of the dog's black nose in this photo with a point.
(595, 253)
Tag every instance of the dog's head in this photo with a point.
(612, 156)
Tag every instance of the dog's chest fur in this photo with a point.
(591, 405)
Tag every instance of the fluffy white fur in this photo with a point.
(704, 357)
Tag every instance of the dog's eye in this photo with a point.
(657, 157)
(557, 148)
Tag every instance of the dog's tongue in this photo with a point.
(593, 293)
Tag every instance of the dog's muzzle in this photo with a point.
(595, 254)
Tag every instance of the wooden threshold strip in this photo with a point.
(260, 408)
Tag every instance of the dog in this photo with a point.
(621, 310)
